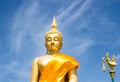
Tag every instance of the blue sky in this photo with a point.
(90, 28)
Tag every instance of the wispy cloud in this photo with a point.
(80, 11)
(66, 11)
(83, 46)
(66, 14)
(26, 23)
(15, 69)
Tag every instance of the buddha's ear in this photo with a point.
(47, 52)
(61, 45)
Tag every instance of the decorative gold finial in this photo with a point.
(54, 29)
(111, 63)
(54, 24)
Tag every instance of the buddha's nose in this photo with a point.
(52, 42)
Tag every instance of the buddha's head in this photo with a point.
(53, 39)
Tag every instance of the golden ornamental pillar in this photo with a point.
(111, 65)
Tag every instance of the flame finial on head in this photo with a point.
(54, 24)
(54, 28)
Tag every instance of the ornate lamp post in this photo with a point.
(111, 64)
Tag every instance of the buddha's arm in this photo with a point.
(72, 75)
(34, 72)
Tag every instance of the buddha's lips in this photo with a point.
(53, 46)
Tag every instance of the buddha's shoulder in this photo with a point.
(41, 58)
(44, 57)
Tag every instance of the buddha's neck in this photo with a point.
(53, 52)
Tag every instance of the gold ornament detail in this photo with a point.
(54, 29)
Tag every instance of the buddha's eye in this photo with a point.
(56, 39)
(49, 39)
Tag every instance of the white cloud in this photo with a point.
(65, 14)
(17, 41)
(66, 11)
(27, 22)
(81, 10)
(84, 46)
(14, 68)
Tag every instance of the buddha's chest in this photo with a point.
(42, 62)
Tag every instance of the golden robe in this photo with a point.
(57, 68)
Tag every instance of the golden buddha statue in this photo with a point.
(55, 66)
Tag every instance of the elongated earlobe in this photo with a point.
(47, 52)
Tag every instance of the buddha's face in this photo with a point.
(53, 42)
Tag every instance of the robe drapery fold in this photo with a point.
(57, 68)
